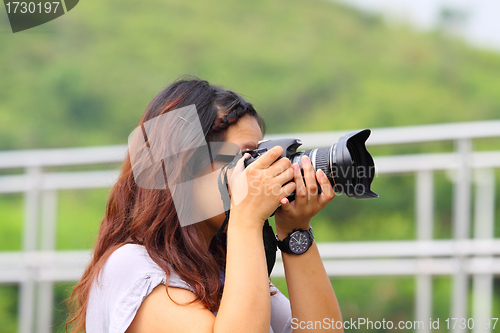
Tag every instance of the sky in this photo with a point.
(475, 20)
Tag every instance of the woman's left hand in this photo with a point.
(298, 213)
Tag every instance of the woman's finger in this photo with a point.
(310, 178)
(268, 158)
(301, 191)
(286, 205)
(288, 189)
(327, 192)
(285, 176)
(278, 167)
(239, 167)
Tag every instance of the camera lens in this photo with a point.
(347, 164)
(320, 159)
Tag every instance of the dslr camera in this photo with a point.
(347, 164)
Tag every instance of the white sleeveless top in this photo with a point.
(129, 275)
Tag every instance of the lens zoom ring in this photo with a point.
(323, 161)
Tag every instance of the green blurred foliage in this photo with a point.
(8, 308)
(60, 311)
(11, 210)
(79, 216)
(85, 79)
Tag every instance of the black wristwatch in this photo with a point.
(297, 242)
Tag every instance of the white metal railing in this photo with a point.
(39, 265)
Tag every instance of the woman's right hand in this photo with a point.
(256, 190)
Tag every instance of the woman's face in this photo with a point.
(246, 134)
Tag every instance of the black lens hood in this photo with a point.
(356, 168)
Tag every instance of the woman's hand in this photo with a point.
(256, 191)
(309, 287)
(307, 203)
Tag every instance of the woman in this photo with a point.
(149, 273)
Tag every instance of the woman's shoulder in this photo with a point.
(130, 259)
(132, 262)
(128, 276)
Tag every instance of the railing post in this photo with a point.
(461, 224)
(26, 311)
(424, 208)
(48, 241)
(484, 217)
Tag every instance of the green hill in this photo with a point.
(85, 78)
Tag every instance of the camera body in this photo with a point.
(347, 164)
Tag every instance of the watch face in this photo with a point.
(299, 242)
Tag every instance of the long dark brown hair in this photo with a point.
(148, 217)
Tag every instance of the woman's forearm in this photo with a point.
(245, 304)
(311, 294)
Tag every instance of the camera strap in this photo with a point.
(224, 192)
(270, 245)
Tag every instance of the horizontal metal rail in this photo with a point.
(379, 136)
(404, 134)
(62, 156)
(43, 266)
(341, 259)
(384, 165)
